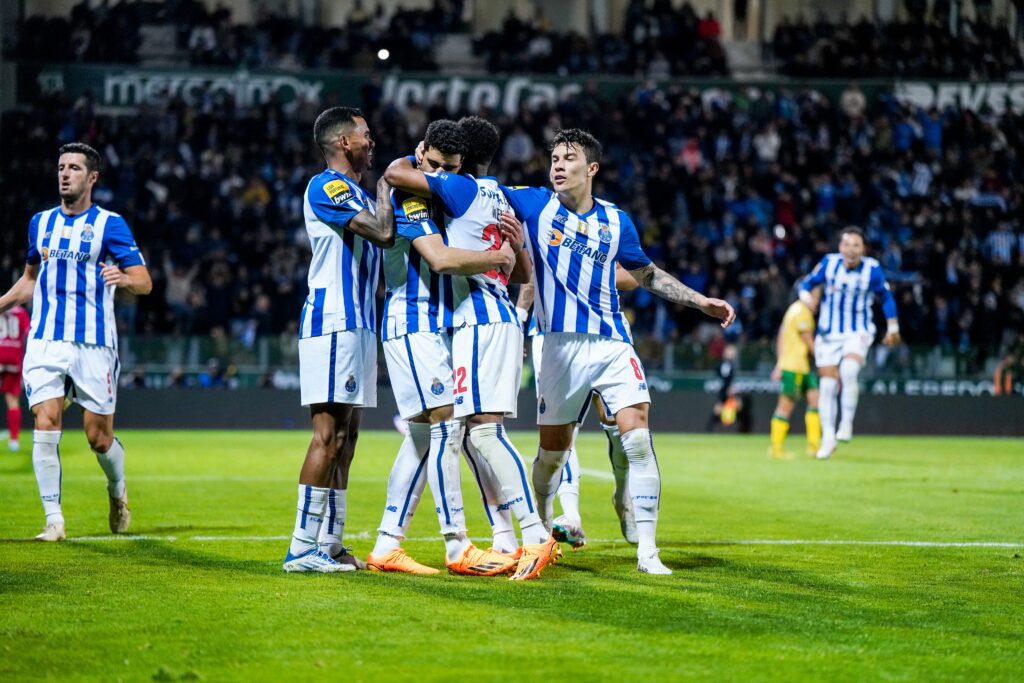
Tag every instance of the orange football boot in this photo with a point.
(398, 561)
(535, 557)
(476, 562)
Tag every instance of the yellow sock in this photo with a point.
(780, 427)
(813, 424)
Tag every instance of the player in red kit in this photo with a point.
(13, 332)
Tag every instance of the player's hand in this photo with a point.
(420, 150)
(891, 339)
(717, 308)
(112, 275)
(776, 374)
(506, 258)
(512, 231)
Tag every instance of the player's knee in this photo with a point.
(100, 439)
(849, 369)
(47, 421)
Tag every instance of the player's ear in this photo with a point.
(592, 168)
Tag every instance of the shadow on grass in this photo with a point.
(154, 552)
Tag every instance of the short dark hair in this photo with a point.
(853, 230)
(328, 122)
(445, 136)
(577, 138)
(482, 140)
(93, 160)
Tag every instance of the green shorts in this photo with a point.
(797, 384)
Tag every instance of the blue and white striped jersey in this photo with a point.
(574, 257)
(344, 270)
(418, 299)
(475, 206)
(848, 294)
(71, 302)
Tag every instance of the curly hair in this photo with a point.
(579, 139)
(93, 160)
(445, 136)
(482, 140)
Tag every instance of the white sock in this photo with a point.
(333, 528)
(46, 462)
(405, 486)
(644, 485)
(827, 389)
(499, 516)
(849, 371)
(547, 473)
(569, 488)
(508, 466)
(446, 485)
(112, 463)
(311, 505)
(620, 465)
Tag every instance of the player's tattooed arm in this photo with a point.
(21, 291)
(653, 278)
(403, 175)
(378, 228)
(522, 273)
(135, 279)
(451, 261)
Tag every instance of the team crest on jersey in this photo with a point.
(436, 387)
(542, 407)
(87, 233)
(350, 384)
(604, 233)
(582, 228)
(555, 238)
(338, 191)
(415, 209)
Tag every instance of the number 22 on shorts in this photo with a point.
(460, 380)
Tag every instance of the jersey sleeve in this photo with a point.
(32, 256)
(456, 192)
(881, 289)
(816, 278)
(412, 216)
(120, 243)
(526, 202)
(631, 255)
(335, 201)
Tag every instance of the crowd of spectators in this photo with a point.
(739, 198)
(657, 41)
(921, 47)
(88, 34)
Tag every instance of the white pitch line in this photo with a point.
(365, 535)
(597, 474)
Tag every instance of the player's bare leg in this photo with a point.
(849, 374)
(99, 431)
(332, 529)
(780, 428)
(49, 416)
(319, 470)
(487, 435)
(13, 421)
(828, 389)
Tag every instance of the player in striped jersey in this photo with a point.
(78, 254)
(568, 527)
(846, 330)
(417, 346)
(337, 333)
(487, 348)
(575, 240)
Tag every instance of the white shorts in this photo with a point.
(574, 364)
(488, 362)
(340, 367)
(829, 350)
(85, 372)
(420, 368)
(537, 351)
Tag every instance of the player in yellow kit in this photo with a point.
(795, 347)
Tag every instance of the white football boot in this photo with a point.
(569, 530)
(845, 432)
(627, 522)
(828, 447)
(314, 560)
(651, 564)
(53, 532)
(120, 514)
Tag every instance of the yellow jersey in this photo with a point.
(794, 354)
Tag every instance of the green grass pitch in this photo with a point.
(172, 604)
